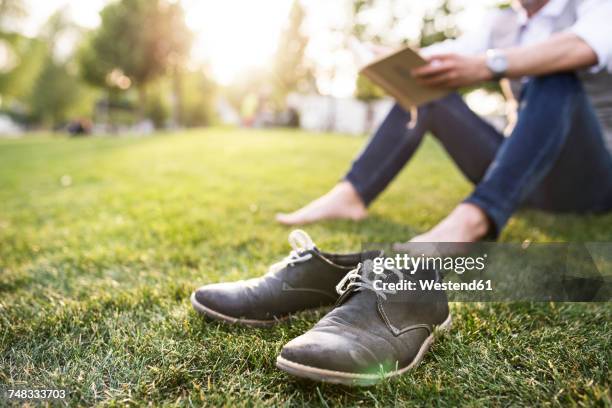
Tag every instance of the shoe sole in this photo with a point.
(354, 379)
(213, 314)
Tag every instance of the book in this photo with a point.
(392, 73)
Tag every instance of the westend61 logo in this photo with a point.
(408, 263)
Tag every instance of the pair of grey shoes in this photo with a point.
(369, 334)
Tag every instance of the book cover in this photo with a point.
(392, 74)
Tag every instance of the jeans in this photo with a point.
(554, 160)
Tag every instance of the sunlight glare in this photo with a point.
(235, 35)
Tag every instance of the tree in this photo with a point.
(29, 56)
(42, 85)
(139, 40)
(20, 56)
(58, 93)
(291, 71)
(365, 90)
(54, 94)
(197, 94)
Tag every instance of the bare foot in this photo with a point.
(466, 223)
(342, 202)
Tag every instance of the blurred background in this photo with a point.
(133, 66)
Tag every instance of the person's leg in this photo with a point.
(469, 140)
(555, 157)
(349, 198)
(581, 178)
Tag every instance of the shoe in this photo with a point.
(306, 279)
(371, 334)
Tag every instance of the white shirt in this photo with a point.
(593, 25)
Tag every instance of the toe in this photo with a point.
(219, 298)
(330, 351)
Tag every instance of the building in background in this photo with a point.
(349, 115)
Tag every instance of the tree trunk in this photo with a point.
(176, 98)
(142, 102)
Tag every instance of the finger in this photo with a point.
(441, 57)
(434, 68)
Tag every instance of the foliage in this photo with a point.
(43, 88)
(184, 98)
(157, 106)
(439, 23)
(291, 71)
(365, 89)
(143, 39)
(30, 54)
(198, 93)
(96, 270)
(57, 95)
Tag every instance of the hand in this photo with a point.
(452, 71)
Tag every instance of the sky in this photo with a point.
(233, 36)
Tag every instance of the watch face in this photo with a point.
(499, 63)
(496, 61)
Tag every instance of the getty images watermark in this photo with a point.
(492, 271)
(403, 265)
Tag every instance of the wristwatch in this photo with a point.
(497, 63)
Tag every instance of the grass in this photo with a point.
(103, 239)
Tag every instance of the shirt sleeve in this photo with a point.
(472, 42)
(593, 26)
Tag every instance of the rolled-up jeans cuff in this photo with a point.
(362, 192)
(498, 217)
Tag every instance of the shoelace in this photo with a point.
(301, 242)
(358, 279)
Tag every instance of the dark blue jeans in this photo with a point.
(555, 159)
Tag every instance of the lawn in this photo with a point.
(103, 239)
